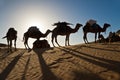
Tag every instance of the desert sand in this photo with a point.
(95, 61)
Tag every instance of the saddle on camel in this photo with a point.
(33, 30)
(92, 23)
(62, 25)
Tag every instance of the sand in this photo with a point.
(79, 62)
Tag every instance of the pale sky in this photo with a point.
(21, 14)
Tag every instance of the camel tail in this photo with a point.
(4, 37)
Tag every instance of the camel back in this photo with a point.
(33, 29)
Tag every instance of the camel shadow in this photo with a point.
(9, 68)
(105, 63)
(47, 73)
(6, 54)
(102, 49)
(26, 68)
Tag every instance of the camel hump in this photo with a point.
(33, 29)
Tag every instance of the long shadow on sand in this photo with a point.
(26, 68)
(108, 64)
(47, 73)
(102, 49)
(6, 53)
(10, 67)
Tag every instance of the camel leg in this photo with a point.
(67, 41)
(56, 41)
(11, 45)
(85, 38)
(28, 46)
(15, 44)
(95, 37)
(53, 40)
(8, 44)
(26, 43)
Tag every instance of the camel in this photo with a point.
(93, 29)
(41, 44)
(113, 37)
(64, 30)
(102, 38)
(11, 35)
(33, 32)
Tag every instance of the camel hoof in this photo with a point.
(29, 50)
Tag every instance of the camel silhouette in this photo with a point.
(102, 38)
(93, 29)
(33, 32)
(11, 35)
(41, 44)
(113, 37)
(63, 29)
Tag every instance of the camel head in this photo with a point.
(78, 25)
(76, 28)
(48, 31)
(106, 25)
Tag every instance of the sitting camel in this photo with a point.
(11, 35)
(33, 32)
(102, 39)
(113, 37)
(93, 29)
(63, 30)
(41, 44)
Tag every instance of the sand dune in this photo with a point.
(78, 62)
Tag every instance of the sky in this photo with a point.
(21, 14)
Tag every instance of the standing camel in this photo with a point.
(11, 35)
(33, 32)
(64, 30)
(93, 29)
